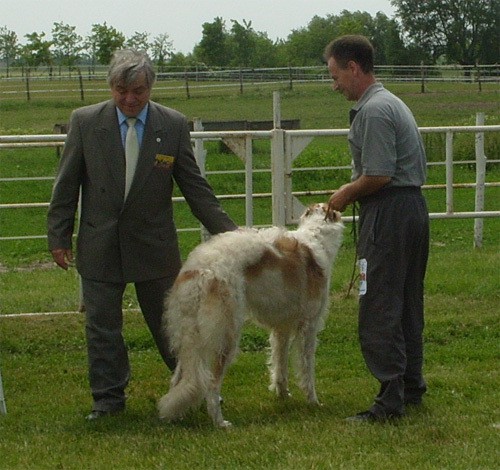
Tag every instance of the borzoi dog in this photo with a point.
(280, 277)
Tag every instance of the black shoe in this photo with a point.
(413, 401)
(98, 414)
(371, 417)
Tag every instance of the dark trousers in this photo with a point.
(394, 241)
(109, 368)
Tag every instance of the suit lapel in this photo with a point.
(108, 135)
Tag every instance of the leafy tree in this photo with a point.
(305, 46)
(266, 52)
(8, 46)
(67, 44)
(139, 41)
(37, 50)
(250, 48)
(242, 40)
(213, 48)
(388, 43)
(355, 23)
(161, 49)
(103, 41)
(463, 30)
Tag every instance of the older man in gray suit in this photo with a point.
(126, 231)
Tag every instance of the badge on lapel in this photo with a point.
(164, 161)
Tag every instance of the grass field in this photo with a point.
(43, 359)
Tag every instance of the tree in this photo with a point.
(242, 40)
(463, 30)
(265, 52)
(67, 44)
(103, 41)
(162, 49)
(213, 48)
(385, 35)
(37, 50)
(139, 41)
(8, 47)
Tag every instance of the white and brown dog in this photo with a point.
(280, 277)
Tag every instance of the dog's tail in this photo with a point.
(196, 313)
(188, 388)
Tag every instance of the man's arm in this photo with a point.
(351, 192)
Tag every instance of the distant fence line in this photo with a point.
(23, 82)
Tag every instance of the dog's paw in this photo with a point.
(315, 402)
(224, 424)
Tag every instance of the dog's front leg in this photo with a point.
(307, 350)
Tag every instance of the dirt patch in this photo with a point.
(35, 266)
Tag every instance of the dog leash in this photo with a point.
(354, 232)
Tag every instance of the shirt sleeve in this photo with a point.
(379, 154)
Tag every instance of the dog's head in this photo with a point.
(320, 210)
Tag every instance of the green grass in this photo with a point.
(43, 358)
(43, 364)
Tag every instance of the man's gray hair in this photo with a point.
(127, 64)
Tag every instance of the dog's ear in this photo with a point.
(309, 210)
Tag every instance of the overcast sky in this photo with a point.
(182, 20)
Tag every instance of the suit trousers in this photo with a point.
(394, 241)
(109, 368)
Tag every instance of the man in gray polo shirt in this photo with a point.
(389, 167)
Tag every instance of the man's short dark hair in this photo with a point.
(351, 47)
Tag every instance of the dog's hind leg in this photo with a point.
(278, 362)
(213, 396)
(222, 330)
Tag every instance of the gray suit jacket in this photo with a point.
(136, 240)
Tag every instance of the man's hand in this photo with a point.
(351, 192)
(63, 257)
(340, 199)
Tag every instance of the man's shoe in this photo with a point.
(413, 401)
(370, 417)
(98, 414)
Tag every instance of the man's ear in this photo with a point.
(353, 67)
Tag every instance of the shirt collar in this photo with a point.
(369, 92)
(140, 117)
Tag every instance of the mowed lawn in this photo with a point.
(43, 358)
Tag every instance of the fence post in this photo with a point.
(28, 84)
(248, 181)
(278, 164)
(81, 84)
(480, 182)
(479, 76)
(200, 154)
(449, 172)
(187, 84)
(422, 77)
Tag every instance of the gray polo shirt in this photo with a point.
(384, 139)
